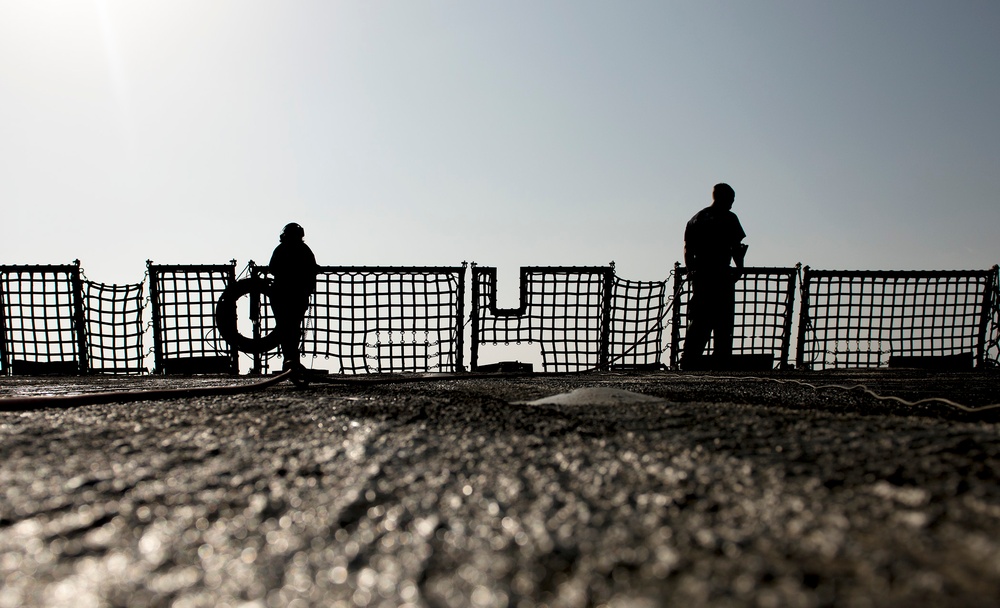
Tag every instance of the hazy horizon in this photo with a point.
(856, 135)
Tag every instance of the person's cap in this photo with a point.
(292, 230)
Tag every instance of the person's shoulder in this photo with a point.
(735, 226)
(692, 224)
(703, 214)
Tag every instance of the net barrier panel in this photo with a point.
(991, 356)
(41, 320)
(372, 319)
(114, 329)
(183, 300)
(762, 327)
(582, 317)
(878, 318)
(399, 319)
(563, 309)
(638, 316)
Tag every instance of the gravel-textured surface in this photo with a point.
(731, 491)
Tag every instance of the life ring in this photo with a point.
(225, 316)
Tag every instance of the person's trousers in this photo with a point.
(711, 313)
(288, 316)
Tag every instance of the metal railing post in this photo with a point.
(78, 318)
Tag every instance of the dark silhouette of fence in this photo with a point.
(183, 299)
(380, 319)
(391, 319)
(114, 328)
(582, 317)
(638, 316)
(873, 318)
(566, 310)
(54, 321)
(763, 324)
(42, 319)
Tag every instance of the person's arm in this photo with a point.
(315, 271)
(689, 255)
(738, 249)
(740, 253)
(275, 265)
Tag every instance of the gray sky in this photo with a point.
(857, 134)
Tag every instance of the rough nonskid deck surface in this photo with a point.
(722, 491)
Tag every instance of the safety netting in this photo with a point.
(638, 311)
(765, 298)
(565, 310)
(183, 299)
(40, 319)
(393, 319)
(114, 328)
(991, 355)
(382, 319)
(866, 318)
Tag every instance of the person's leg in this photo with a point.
(723, 313)
(699, 326)
(292, 336)
(289, 349)
(286, 326)
(694, 343)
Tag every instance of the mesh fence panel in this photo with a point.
(763, 321)
(383, 320)
(410, 319)
(991, 355)
(183, 299)
(563, 309)
(39, 315)
(861, 318)
(113, 320)
(637, 321)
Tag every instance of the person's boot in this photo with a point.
(300, 376)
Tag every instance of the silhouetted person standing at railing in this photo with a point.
(293, 267)
(711, 240)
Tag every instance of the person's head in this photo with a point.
(723, 196)
(291, 233)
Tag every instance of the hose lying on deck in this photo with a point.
(22, 404)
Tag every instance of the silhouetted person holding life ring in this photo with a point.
(293, 267)
(712, 239)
